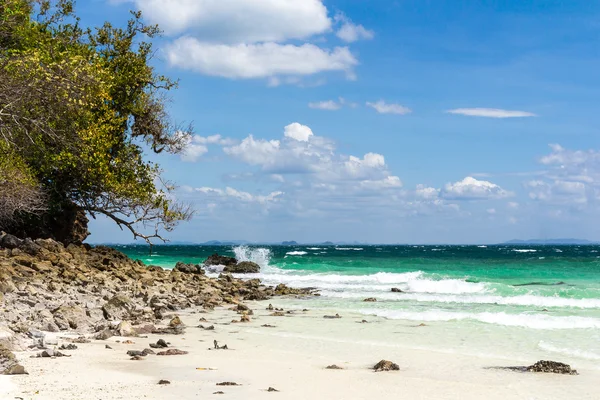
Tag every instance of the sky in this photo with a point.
(383, 121)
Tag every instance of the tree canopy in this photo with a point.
(77, 108)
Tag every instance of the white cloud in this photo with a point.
(329, 105)
(491, 113)
(387, 182)
(239, 195)
(239, 21)
(263, 60)
(299, 132)
(214, 139)
(196, 146)
(427, 193)
(473, 189)
(350, 32)
(253, 151)
(512, 204)
(193, 152)
(383, 108)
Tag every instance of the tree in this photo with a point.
(77, 109)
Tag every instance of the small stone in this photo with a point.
(270, 308)
(160, 344)
(136, 358)
(172, 352)
(164, 382)
(107, 347)
(333, 366)
(396, 290)
(370, 299)
(278, 314)
(68, 347)
(267, 326)
(385, 365)
(336, 316)
(219, 392)
(271, 389)
(228, 384)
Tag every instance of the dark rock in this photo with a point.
(172, 352)
(552, 367)
(107, 347)
(333, 366)
(9, 364)
(271, 389)
(10, 242)
(68, 347)
(370, 299)
(396, 290)
(164, 382)
(188, 268)
(104, 335)
(336, 316)
(216, 259)
(245, 267)
(160, 344)
(134, 353)
(207, 328)
(219, 392)
(228, 384)
(267, 326)
(119, 307)
(270, 308)
(385, 365)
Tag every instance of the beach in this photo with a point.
(290, 357)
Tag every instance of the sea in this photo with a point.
(519, 303)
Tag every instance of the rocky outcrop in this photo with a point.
(45, 286)
(189, 268)
(551, 367)
(244, 267)
(216, 259)
(9, 364)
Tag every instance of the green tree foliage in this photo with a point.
(76, 109)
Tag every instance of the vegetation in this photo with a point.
(77, 108)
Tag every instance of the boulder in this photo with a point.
(216, 259)
(10, 241)
(552, 367)
(71, 317)
(370, 299)
(118, 308)
(125, 329)
(245, 267)
(9, 364)
(188, 268)
(385, 365)
(396, 290)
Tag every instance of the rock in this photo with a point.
(104, 335)
(228, 384)
(71, 317)
(107, 347)
(119, 307)
(164, 382)
(207, 328)
(333, 366)
(270, 389)
(277, 314)
(219, 392)
(136, 358)
(125, 329)
(188, 268)
(552, 367)
(216, 259)
(68, 347)
(245, 318)
(175, 322)
(172, 352)
(336, 316)
(396, 290)
(245, 267)
(270, 308)
(10, 241)
(134, 353)
(370, 299)
(385, 365)
(9, 364)
(267, 326)
(160, 344)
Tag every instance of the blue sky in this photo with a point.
(404, 121)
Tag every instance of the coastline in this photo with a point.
(290, 357)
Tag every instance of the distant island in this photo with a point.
(290, 243)
(550, 242)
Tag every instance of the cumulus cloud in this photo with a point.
(473, 189)
(384, 108)
(425, 192)
(239, 21)
(490, 113)
(197, 146)
(350, 32)
(299, 132)
(262, 60)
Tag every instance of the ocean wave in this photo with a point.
(296, 253)
(524, 250)
(482, 247)
(524, 300)
(343, 280)
(532, 321)
(568, 352)
(349, 248)
(260, 255)
(314, 248)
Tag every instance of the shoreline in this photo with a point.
(291, 357)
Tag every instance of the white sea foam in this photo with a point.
(482, 247)
(532, 321)
(568, 352)
(524, 300)
(524, 251)
(296, 253)
(314, 248)
(349, 248)
(260, 255)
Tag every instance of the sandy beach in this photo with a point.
(291, 357)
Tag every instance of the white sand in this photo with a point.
(291, 358)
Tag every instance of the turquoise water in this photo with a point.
(538, 300)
